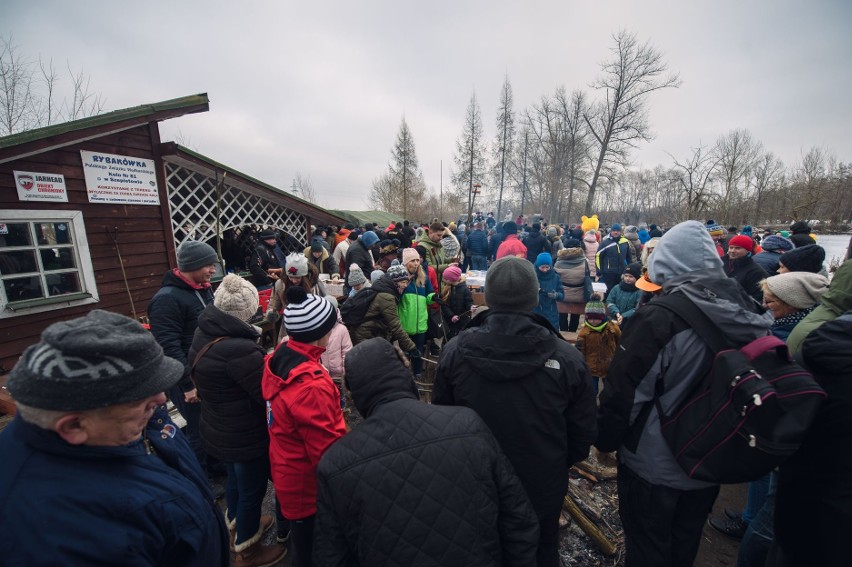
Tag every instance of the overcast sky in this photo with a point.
(320, 87)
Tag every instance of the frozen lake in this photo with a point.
(835, 245)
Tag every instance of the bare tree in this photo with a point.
(695, 175)
(470, 154)
(737, 153)
(768, 175)
(504, 140)
(303, 185)
(620, 121)
(30, 93)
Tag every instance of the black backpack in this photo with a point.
(747, 415)
(355, 308)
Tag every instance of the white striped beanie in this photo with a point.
(307, 317)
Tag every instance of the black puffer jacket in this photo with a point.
(416, 484)
(814, 501)
(361, 255)
(747, 273)
(532, 389)
(173, 314)
(233, 413)
(536, 243)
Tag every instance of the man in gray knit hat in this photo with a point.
(529, 385)
(173, 314)
(94, 471)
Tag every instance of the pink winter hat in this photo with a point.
(452, 274)
(409, 254)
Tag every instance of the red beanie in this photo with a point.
(743, 242)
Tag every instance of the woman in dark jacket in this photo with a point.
(227, 366)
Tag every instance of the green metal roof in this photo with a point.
(103, 119)
(383, 218)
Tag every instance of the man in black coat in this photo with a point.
(741, 266)
(536, 242)
(360, 252)
(415, 483)
(801, 234)
(263, 259)
(530, 386)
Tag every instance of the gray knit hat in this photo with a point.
(237, 297)
(398, 273)
(356, 275)
(192, 255)
(798, 289)
(307, 317)
(511, 285)
(100, 360)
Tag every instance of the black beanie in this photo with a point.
(804, 259)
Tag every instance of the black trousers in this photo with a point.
(547, 554)
(569, 322)
(662, 525)
(302, 539)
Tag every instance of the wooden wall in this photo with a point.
(144, 237)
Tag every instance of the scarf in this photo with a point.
(599, 328)
(793, 318)
(627, 287)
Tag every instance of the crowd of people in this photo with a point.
(569, 350)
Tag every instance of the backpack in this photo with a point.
(355, 308)
(747, 415)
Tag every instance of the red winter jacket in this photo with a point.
(304, 419)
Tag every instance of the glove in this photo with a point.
(414, 353)
(455, 319)
(551, 294)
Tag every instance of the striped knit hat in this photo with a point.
(595, 309)
(713, 228)
(307, 317)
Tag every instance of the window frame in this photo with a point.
(86, 272)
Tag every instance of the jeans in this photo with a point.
(303, 541)
(478, 263)
(420, 343)
(662, 525)
(244, 494)
(757, 540)
(757, 490)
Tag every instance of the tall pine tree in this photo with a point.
(470, 155)
(503, 142)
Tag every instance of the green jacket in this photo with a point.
(836, 301)
(382, 318)
(434, 253)
(414, 307)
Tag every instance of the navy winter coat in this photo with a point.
(476, 244)
(141, 504)
(173, 314)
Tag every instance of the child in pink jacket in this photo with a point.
(334, 356)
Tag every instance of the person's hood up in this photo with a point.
(644, 235)
(375, 375)
(277, 368)
(687, 247)
(724, 301)
(838, 298)
(507, 346)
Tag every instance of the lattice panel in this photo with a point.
(192, 198)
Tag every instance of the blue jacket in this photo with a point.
(62, 504)
(547, 283)
(477, 244)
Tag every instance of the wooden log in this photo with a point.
(585, 474)
(601, 473)
(588, 509)
(601, 541)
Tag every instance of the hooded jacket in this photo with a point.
(463, 503)
(233, 413)
(547, 283)
(685, 261)
(590, 247)
(325, 264)
(358, 254)
(304, 417)
(382, 317)
(339, 344)
(435, 256)
(142, 504)
(575, 275)
(173, 314)
(533, 390)
(598, 346)
(413, 306)
(836, 301)
(262, 259)
(814, 500)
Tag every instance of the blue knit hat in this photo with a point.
(369, 238)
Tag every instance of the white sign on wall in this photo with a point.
(112, 178)
(35, 186)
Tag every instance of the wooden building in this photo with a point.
(92, 211)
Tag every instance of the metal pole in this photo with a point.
(441, 198)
